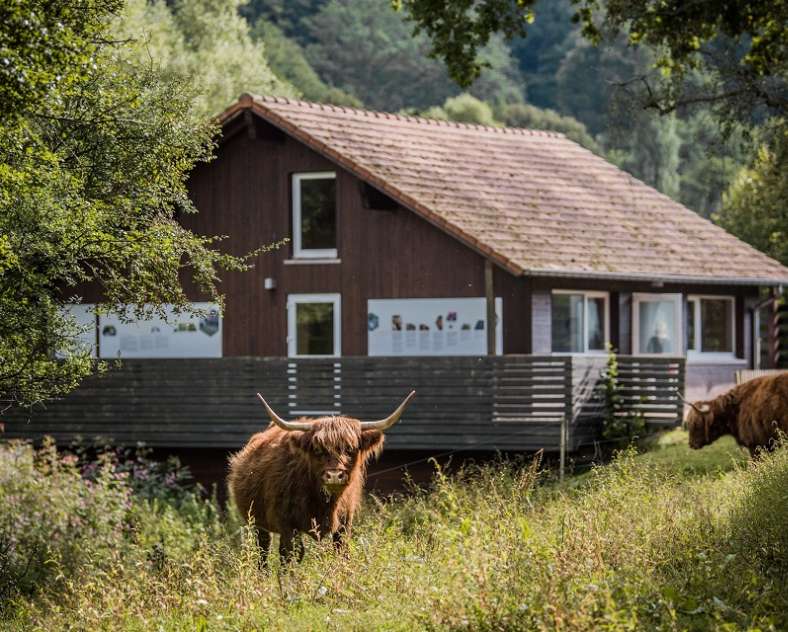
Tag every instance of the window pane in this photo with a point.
(318, 214)
(657, 327)
(596, 324)
(567, 323)
(315, 328)
(690, 325)
(716, 326)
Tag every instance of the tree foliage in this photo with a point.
(464, 108)
(92, 176)
(45, 46)
(532, 117)
(754, 207)
(287, 59)
(369, 51)
(742, 47)
(206, 40)
(540, 54)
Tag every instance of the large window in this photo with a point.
(313, 325)
(315, 215)
(579, 322)
(710, 321)
(656, 325)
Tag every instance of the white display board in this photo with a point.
(84, 315)
(431, 326)
(176, 336)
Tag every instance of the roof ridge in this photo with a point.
(407, 118)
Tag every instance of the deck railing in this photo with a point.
(487, 403)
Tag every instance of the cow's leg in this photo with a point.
(263, 543)
(291, 546)
(342, 535)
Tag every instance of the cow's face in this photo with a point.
(701, 426)
(696, 425)
(334, 447)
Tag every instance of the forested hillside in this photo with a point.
(363, 53)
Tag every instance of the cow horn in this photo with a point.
(284, 425)
(385, 424)
(703, 408)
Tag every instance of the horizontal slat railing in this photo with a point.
(485, 403)
(646, 386)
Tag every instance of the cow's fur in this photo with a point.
(753, 412)
(277, 480)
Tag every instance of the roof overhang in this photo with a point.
(652, 278)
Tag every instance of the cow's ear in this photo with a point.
(371, 443)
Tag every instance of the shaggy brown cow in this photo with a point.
(753, 412)
(305, 476)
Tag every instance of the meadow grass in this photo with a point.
(667, 540)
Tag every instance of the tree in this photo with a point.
(206, 40)
(372, 55)
(649, 150)
(466, 108)
(287, 59)
(638, 140)
(539, 55)
(286, 15)
(754, 207)
(741, 47)
(586, 76)
(708, 162)
(92, 175)
(532, 117)
(463, 108)
(45, 48)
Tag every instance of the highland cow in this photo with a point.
(305, 476)
(754, 412)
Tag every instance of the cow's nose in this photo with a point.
(334, 477)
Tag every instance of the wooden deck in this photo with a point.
(483, 403)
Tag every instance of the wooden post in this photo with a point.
(489, 292)
(562, 449)
(773, 332)
(569, 408)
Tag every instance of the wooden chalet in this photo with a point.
(487, 268)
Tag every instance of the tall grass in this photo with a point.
(636, 544)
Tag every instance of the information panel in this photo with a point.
(84, 315)
(430, 326)
(178, 336)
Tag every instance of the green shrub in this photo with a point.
(53, 521)
(622, 426)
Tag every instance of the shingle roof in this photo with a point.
(533, 201)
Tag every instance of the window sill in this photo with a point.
(315, 261)
(582, 354)
(714, 358)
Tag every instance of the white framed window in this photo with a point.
(315, 215)
(711, 331)
(314, 325)
(656, 324)
(580, 321)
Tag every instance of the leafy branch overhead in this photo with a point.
(740, 48)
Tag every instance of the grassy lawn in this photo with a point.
(671, 450)
(671, 539)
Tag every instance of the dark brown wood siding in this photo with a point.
(245, 194)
